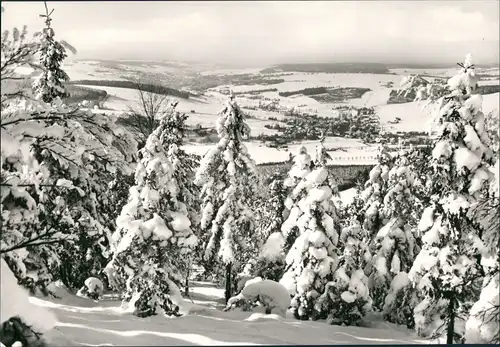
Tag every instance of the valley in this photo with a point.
(273, 99)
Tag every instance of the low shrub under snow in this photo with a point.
(269, 294)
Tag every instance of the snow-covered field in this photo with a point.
(206, 109)
(82, 322)
(297, 81)
(122, 70)
(348, 151)
(91, 70)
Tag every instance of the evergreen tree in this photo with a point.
(346, 298)
(312, 258)
(395, 244)
(50, 84)
(402, 296)
(153, 233)
(302, 164)
(79, 153)
(446, 270)
(49, 154)
(228, 177)
(271, 262)
(66, 156)
(183, 166)
(374, 191)
(400, 301)
(483, 325)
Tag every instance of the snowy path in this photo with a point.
(85, 323)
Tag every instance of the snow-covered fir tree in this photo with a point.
(483, 325)
(153, 233)
(446, 272)
(346, 298)
(79, 152)
(64, 145)
(228, 177)
(63, 151)
(281, 231)
(184, 168)
(395, 245)
(406, 206)
(374, 191)
(184, 164)
(271, 261)
(302, 165)
(45, 155)
(50, 84)
(313, 256)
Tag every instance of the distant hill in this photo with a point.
(435, 66)
(374, 68)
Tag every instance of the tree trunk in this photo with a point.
(228, 282)
(451, 323)
(186, 286)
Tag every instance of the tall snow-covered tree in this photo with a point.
(405, 205)
(313, 256)
(36, 211)
(153, 233)
(346, 298)
(302, 165)
(70, 152)
(50, 84)
(74, 148)
(446, 271)
(483, 325)
(374, 191)
(228, 177)
(271, 261)
(395, 244)
(184, 168)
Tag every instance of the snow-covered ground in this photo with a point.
(82, 322)
(206, 109)
(91, 70)
(297, 81)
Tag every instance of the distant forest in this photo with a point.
(324, 94)
(374, 68)
(134, 85)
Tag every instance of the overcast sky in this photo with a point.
(267, 32)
